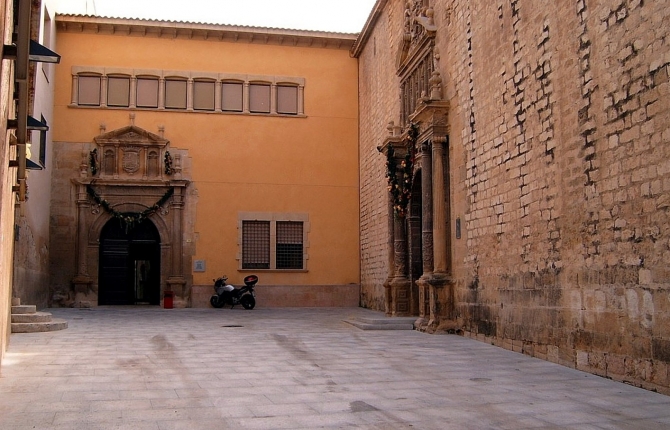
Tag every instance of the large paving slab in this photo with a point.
(151, 368)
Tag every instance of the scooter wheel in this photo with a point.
(215, 302)
(248, 301)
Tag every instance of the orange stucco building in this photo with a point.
(244, 138)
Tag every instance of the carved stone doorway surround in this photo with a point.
(131, 169)
(422, 104)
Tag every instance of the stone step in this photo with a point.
(31, 318)
(383, 323)
(56, 324)
(24, 309)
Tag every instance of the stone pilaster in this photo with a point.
(426, 232)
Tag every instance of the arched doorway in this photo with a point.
(129, 270)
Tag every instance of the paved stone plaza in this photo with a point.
(150, 368)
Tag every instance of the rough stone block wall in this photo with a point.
(560, 124)
(67, 159)
(379, 95)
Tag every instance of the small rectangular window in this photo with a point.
(259, 98)
(175, 94)
(255, 244)
(287, 99)
(231, 96)
(203, 95)
(289, 245)
(89, 91)
(147, 92)
(118, 91)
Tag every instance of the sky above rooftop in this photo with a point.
(346, 16)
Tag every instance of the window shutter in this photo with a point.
(118, 91)
(89, 91)
(147, 93)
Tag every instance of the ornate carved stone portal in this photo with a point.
(132, 175)
(419, 280)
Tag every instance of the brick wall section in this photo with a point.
(378, 106)
(560, 124)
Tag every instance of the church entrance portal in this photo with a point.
(129, 264)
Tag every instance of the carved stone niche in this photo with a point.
(131, 153)
(417, 60)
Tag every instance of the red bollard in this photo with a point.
(168, 299)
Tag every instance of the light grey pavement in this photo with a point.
(151, 368)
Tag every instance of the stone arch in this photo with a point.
(97, 225)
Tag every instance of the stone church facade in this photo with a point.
(530, 141)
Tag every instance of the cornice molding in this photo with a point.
(199, 31)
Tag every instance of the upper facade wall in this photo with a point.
(240, 162)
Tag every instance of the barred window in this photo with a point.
(289, 245)
(255, 244)
(273, 241)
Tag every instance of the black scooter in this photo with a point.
(227, 294)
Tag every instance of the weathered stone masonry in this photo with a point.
(559, 132)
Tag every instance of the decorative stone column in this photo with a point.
(436, 282)
(390, 256)
(82, 280)
(426, 233)
(440, 277)
(176, 282)
(398, 286)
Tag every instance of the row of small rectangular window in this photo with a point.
(176, 94)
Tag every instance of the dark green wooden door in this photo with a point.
(129, 264)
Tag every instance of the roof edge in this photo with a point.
(364, 35)
(341, 40)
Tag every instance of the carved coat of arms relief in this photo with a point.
(131, 159)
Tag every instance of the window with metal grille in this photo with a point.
(255, 244)
(289, 245)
